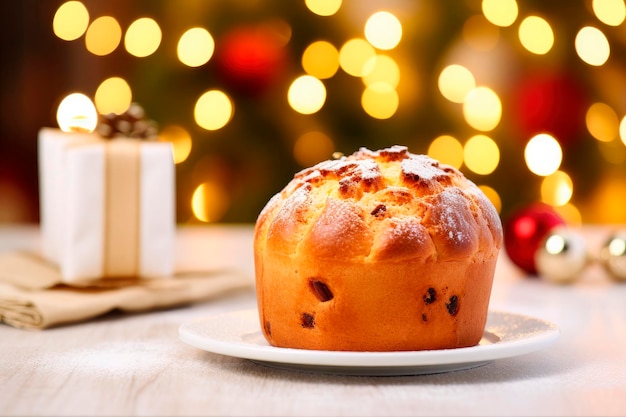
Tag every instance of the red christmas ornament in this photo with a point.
(551, 102)
(249, 60)
(524, 230)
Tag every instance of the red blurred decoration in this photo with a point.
(250, 59)
(554, 103)
(525, 229)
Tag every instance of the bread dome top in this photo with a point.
(376, 206)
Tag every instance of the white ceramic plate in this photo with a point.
(238, 334)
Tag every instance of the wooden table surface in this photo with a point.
(135, 364)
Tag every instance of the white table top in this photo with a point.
(135, 364)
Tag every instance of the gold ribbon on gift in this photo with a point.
(122, 208)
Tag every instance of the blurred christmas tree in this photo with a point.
(526, 97)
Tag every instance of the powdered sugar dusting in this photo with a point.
(366, 169)
(453, 207)
(294, 204)
(421, 167)
(340, 229)
(408, 228)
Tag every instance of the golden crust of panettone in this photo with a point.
(380, 250)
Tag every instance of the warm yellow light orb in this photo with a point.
(77, 113)
(383, 30)
(354, 55)
(180, 140)
(448, 150)
(209, 202)
(543, 155)
(380, 100)
(557, 189)
(609, 12)
(143, 37)
(70, 20)
(306, 94)
(323, 7)
(500, 12)
(536, 35)
(481, 154)
(195, 47)
(113, 96)
(213, 110)
(455, 81)
(602, 122)
(381, 68)
(103, 36)
(622, 130)
(482, 109)
(320, 59)
(592, 46)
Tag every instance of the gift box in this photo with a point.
(107, 205)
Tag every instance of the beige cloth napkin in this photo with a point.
(33, 297)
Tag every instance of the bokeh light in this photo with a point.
(195, 47)
(609, 12)
(103, 36)
(608, 199)
(77, 113)
(455, 81)
(570, 213)
(493, 196)
(320, 59)
(306, 94)
(323, 7)
(180, 140)
(354, 55)
(312, 147)
(592, 46)
(622, 130)
(381, 68)
(481, 154)
(209, 202)
(602, 122)
(500, 12)
(447, 149)
(383, 30)
(70, 20)
(380, 100)
(482, 109)
(543, 154)
(143, 37)
(213, 110)
(557, 189)
(536, 35)
(113, 96)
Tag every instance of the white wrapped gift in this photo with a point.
(107, 206)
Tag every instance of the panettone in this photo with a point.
(377, 251)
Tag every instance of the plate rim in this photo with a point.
(503, 348)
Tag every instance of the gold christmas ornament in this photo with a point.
(562, 255)
(613, 255)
